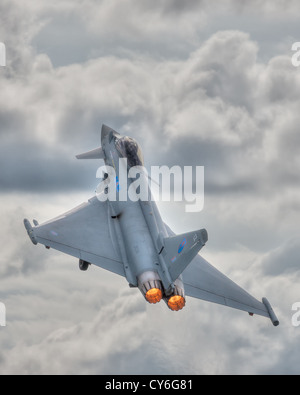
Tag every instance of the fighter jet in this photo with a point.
(128, 237)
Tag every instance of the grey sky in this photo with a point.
(195, 84)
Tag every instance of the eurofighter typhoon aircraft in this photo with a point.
(129, 238)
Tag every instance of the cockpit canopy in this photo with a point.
(130, 149)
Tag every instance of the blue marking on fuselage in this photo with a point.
(181, 247)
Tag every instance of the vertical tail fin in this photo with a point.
(179, 251)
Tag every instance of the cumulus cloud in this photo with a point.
(221, 95)
(283, 259)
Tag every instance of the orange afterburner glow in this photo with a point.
(176, 302)
(154, 295)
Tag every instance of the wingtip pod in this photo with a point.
(30, 231)
(271, 313)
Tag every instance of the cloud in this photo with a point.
(220, 96)
(267, 7)
(203, 339)
(284, 259)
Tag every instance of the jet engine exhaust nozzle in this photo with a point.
(176, 301)
(151, 287)
(154, 295)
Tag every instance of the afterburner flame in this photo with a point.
(154, 295)
(176, 302)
